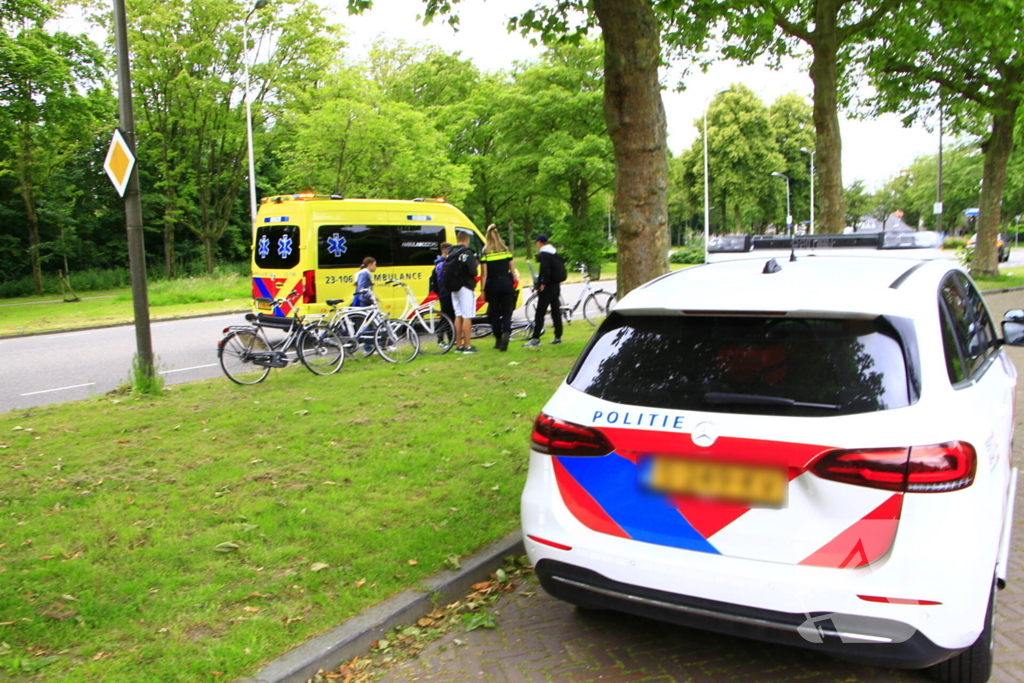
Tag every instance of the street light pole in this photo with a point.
(707, 206)
(811, 152)
(260, 4)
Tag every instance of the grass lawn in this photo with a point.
(1012, 276)
(196, 536)
(167, 299)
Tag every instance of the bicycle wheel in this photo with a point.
(396, 341)
(597, 305)
(321, 349)
(436, 333)
(480, 330)
(235, 354)
(521, 330)
(530, 308)
(357, 342)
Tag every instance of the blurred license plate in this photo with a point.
(723, 481)
(264, 305)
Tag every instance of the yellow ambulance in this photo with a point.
(308, 248)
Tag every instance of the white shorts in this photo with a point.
(464, 302)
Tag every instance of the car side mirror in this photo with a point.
(1013, 327)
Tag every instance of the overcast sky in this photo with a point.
(873, 151)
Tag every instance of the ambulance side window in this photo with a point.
(417, 245)
(345, 246)
(276, 246)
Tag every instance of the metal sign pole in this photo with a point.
(132, 197)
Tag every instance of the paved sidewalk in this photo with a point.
(542, 640)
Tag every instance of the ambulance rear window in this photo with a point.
(750, 365)
(276, 246)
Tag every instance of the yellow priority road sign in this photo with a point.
(120, 162)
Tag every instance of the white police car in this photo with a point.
(813, 453)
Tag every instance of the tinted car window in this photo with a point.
(954, 360)
(971, 327)
(276, 246)
(750, 365)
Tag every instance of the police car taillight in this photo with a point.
(919, 469)
(557, 437)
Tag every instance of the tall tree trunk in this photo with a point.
(33, 236)
(170, 204)
(985, 262)
(29, 198)
(208, 244)
(635, 116)
(829, 146)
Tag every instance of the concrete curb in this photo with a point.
(353, 638)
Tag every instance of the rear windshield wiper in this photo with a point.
(718, 398)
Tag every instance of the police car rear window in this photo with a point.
(750, 365)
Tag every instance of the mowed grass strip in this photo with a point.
(168, 299)
(201, 534)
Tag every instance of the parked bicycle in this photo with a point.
(246, 354)
(366, 329)
(521, 329)
(596, 303)
(434, 328)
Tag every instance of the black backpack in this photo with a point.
(558, 268)
(453, 275)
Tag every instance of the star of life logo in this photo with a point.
(284, 246)
(263, 247)
(336, 245)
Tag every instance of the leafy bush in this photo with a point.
(954, 243)
(692, 252)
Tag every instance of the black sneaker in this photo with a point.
(556, 340)
(471, 349)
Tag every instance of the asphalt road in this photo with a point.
(68, 366)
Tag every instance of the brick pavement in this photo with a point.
(542, 640)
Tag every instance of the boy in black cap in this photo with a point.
(549, 290)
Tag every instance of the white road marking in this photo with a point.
(47, 391)
(196, 367)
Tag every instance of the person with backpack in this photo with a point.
(444, 297)
(549, 290)
(497, 282)
(459, 278)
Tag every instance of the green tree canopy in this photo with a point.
(52, 98)
(968, 56)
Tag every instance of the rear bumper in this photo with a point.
(868, 640)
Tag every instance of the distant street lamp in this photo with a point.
(260, 4)
(811, 152)
(707, 208)
(789, 210)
